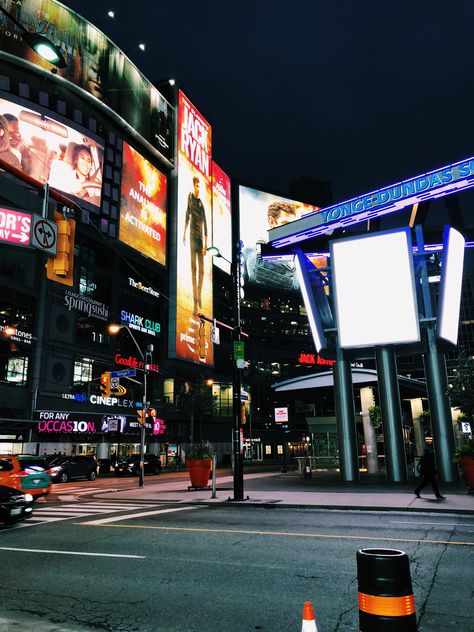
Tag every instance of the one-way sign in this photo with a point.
(124, 373)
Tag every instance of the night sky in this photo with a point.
(361, 94)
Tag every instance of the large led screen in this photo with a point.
(451, 284)
(221, 217)
(52, 152)
(143, 206)
(94, 64)
(193, 263)
(374, 289)
(258, 212)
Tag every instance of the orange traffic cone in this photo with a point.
(309, 622)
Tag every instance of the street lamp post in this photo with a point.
(236, 378)
(146, 357)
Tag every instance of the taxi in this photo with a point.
(26, 473)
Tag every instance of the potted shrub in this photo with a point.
(464, 455)
(199, 463)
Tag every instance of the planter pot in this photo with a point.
(467, 466)
(199, 471)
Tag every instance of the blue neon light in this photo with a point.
(438, 183)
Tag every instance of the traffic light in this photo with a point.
(243, 416)
(60, 268)
(141, 417)
(105, 384)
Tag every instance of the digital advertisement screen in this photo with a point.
(143, 206)
(374, 289)
(451, 285)
(221, 217)
(94, 64)
(52, 152)
(193, 263)
(260, 211)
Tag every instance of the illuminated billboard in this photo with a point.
(52, 152)
(374, 289)
(143, 206)
(193, 264)
(94, 64)
(258, 212)
(449, 304)
(221, 217)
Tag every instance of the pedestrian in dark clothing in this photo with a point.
(428, 473)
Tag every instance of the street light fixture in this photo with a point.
(146, 357)
(236, 380)
(43, 46)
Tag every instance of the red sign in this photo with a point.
(312, 358)
(15, 227)
(159, 426)
(135, 363)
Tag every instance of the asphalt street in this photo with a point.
(123, 565)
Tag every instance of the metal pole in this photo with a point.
(345, 415)
(238, 463)
(389, 394)
(141, 479)
(214, 475)
(440, 411)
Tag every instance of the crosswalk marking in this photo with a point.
(141, 515)
(46, 514)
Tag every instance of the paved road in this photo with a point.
(146, 566)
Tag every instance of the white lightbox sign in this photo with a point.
(374, 289)
(451, 283)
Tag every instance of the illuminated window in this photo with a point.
(17, 369)
(83, 370)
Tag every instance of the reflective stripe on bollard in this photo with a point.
(386, 602)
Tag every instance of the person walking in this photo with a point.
(428, 473)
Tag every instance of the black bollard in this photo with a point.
(386, 602)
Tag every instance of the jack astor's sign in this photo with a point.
(135, 363)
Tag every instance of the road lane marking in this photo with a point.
(9, 548)
(100, 523)
(435, 524)
(139, 515)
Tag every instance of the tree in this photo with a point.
(461, 388)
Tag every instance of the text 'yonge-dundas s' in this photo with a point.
(438, 183)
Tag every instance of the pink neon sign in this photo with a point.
(15, 227)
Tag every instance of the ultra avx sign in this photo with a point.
(438, 183)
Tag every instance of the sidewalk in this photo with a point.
(288, 490)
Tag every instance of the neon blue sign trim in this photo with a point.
(453, 178)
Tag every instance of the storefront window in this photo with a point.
(83, 370)
(17, 370)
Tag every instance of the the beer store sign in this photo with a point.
(85, 305)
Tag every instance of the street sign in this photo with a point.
(124, 373)
(114, 383)
(44, 235)
(238, 350)
(215, 335)
(15, 227)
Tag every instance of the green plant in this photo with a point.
(202, 450)
(465, 449)
(375, 416)
(425, 420)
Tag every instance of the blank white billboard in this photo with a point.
(374, 289)
(452, 264)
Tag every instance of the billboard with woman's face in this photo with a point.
(94, 64)
(49, 151)
(143, 206)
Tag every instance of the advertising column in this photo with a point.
(194, 265)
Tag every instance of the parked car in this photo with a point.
(64, 468)
(131, 465)
(14, 506)
(104, 466)
(25, 473)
